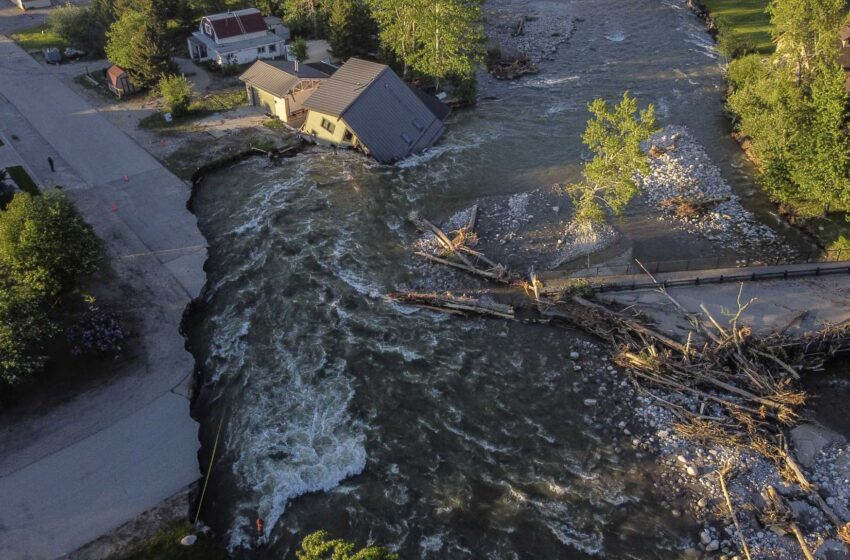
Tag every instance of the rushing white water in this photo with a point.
(438, 437)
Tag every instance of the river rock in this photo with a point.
(712, 546)
(188, 540)
(809, 440)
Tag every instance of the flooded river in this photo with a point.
(440, 438)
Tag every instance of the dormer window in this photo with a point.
(208, 28)
(418, 125)
(407, 139)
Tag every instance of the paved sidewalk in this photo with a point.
(89, 465)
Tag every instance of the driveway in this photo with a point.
(77, 471)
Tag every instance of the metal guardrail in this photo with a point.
(723, 278)
(708, 263)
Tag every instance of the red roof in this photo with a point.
(114, 74)
(229, 26)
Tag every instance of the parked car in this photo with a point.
(52, 55)
(72, 53)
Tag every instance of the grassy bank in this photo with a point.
(37, 38)
(744, 23)
(165, 545)
(199, 108)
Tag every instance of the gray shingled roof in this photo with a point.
(382, 111)
(278, 76)
(346, 85)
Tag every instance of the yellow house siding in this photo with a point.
(313, 126)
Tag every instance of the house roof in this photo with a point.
(346, 85)
(114, 73)
(236, 46)
(844, 34)
(328, 69)
(278, 77)
(237, 22)
(440, 109)
(382, 111)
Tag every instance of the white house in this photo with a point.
(235, 37)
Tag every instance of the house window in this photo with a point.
(419, 126)
(208, 28)
(328, 125)
(347, 136)
(272, 48)
(261, 49)
(406, 138)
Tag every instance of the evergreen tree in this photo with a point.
(350, 28)
(137, 43)
(615, 137)
(451, 38)
(309, 14)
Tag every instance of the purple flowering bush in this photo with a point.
(97, 333)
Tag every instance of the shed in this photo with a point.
(276, 26)
(118, 81)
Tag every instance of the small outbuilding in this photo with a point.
(281, 87)
(366, 106)
(276, 26)
(119, 82)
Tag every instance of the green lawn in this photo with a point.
(33, 38)
(21, 178)
(165, 546)
(748, 21)
(200, 107)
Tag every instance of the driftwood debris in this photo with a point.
(520, 26)
(457, 253)
(746, 385)
(685, 207)
(512, 69)
(454, 304)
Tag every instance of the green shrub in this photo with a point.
(299, 49)
(467, 90)
(46, 243)
(72, 23)
(176, 92)
(230, 69)
(319, 546)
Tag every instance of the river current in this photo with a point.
(441, 438)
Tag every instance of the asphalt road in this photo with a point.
(89, 465)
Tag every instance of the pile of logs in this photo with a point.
(684, 207)
(512, 69)
(745, 386)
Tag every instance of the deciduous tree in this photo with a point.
(614, 136)
(319, 546)
(46, 245)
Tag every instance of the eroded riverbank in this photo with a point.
(441, 439)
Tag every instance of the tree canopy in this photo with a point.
(46, 244)
(45, 249)
(437, 38)
(319, 546)
(792, 107)
(614, 136)
(137, 42)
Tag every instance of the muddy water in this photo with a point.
(441, 438)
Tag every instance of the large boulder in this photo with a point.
(809, 440)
